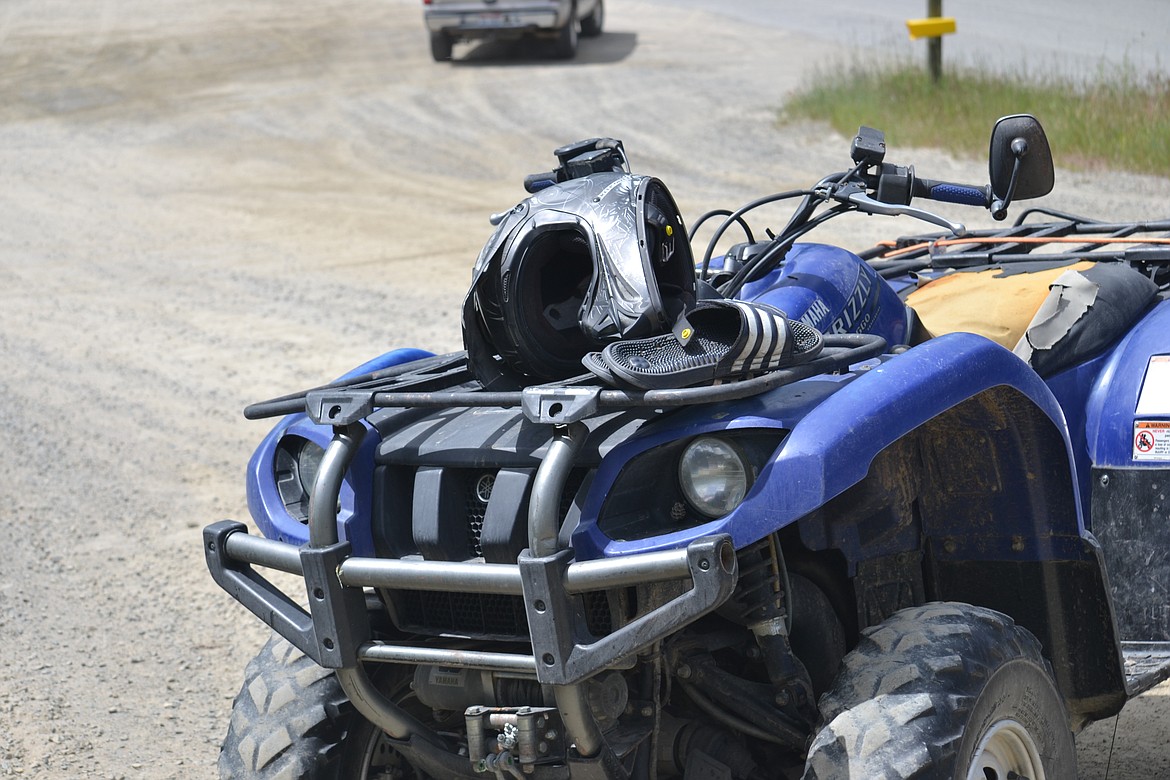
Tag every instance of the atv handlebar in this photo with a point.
(899, 185)
(890, 189)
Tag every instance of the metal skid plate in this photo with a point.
(1146, 665)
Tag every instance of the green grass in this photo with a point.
(1115, 121)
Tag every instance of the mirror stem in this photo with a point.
(998, 207)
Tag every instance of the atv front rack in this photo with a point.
(445, 382)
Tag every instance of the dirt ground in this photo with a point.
(207, 204)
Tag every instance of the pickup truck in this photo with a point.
(451, 21)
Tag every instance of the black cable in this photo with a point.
(739, 213)
(722, 213)
(1051, 213)
(768, 259)
(805, 211)
(798, 225)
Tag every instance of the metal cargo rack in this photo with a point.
(1145, 245)
(445, 382)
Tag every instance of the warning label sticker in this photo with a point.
(1151, 440)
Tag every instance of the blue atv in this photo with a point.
(782, 511)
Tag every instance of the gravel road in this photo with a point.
(206, 204)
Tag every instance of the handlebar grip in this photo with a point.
(949, 192)
(535, 182)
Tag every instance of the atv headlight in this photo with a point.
(295, 469)
(713, 475)
(685, 483)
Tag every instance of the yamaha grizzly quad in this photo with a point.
(787, 511)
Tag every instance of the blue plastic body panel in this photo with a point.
(353, 521)
(834, 291)
(1071, 388)
(830, 445)
(1112, 401)
(1100, 397)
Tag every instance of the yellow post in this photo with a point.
(932, 28)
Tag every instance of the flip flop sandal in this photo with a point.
(716, 340)
(597, 367)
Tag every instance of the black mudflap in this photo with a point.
(1131, 520)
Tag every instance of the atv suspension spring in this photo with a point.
(762, 593)
(761, 602)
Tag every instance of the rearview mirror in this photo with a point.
(1020, 161)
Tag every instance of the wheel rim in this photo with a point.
(383, 762)
(1006, 751)
(377, 757)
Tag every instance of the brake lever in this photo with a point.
(870, 206)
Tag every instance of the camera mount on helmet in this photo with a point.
(593, 155)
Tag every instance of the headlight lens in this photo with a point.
(308, 463)
(713, 475)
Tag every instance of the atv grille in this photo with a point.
(476, 614)
(598, 616)
(478, 489)
(448, 508)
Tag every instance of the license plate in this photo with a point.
(491, 18)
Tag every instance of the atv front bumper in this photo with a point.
(335, 630)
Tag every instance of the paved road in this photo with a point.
(1075, 37)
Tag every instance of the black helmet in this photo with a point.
(577, 265)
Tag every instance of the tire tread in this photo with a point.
(287, 716)
(889, 685)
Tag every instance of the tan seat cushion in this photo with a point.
(988, 303)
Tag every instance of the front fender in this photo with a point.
(996, 520)
(837, 426)
(832, 447)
